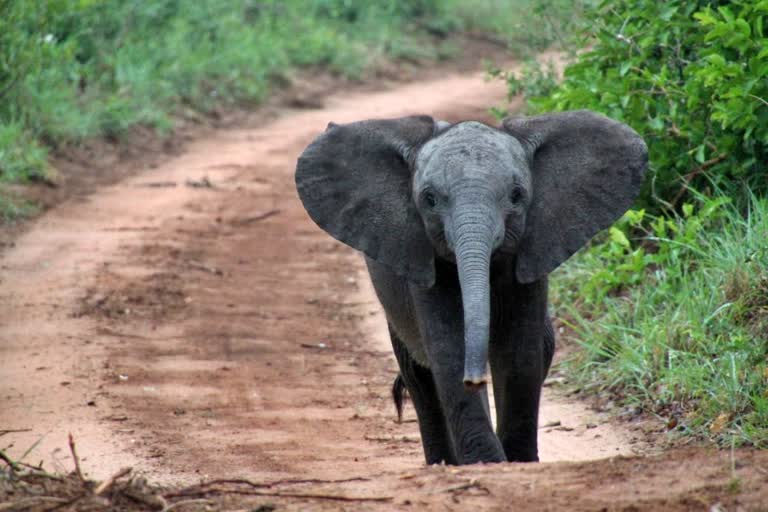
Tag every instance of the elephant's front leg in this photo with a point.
(421, 387)
(441, 323)
(522, 345)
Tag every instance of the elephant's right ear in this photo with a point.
(355, 182)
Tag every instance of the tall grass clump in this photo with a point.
(671, 314)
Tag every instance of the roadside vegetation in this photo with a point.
(670, 306)
(72, 70)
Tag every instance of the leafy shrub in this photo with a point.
(690, 76)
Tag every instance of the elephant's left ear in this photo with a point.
(587, 171)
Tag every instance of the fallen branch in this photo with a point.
(201, 488)
(307, 495)
(26, 503)
(78, 471)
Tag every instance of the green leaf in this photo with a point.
(700, 154)
(726, 13)
(618, 236)
(716, 59)
(625, 67)
(743, 27)
(705, 17)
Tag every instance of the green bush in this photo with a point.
(690, 76)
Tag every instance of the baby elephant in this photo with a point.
(460, 224)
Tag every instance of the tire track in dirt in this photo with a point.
(192, 322)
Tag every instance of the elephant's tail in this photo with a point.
(398, 392)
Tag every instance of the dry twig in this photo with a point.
(106, 484)
(205, 268)
(695, 172)
(14, 430)
(78, 471)
(256, 218)
(11, 463)
(182, 503)
(393, 439)
(472, 484)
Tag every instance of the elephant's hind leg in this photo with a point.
(420, 384)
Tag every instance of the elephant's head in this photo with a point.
(405, 191)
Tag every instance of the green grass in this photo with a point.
(21, 157)
(13, 209)
(671, 315)
(526, 26)
(71, 70)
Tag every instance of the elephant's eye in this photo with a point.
(429, 198)
(516, 195)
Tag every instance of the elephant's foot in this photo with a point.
(485, 448)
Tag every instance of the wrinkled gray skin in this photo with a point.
(460, 225)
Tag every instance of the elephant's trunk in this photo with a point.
(475, 237)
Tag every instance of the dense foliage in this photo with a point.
(670, 305)
(690, 76)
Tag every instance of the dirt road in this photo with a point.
(192, 322)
